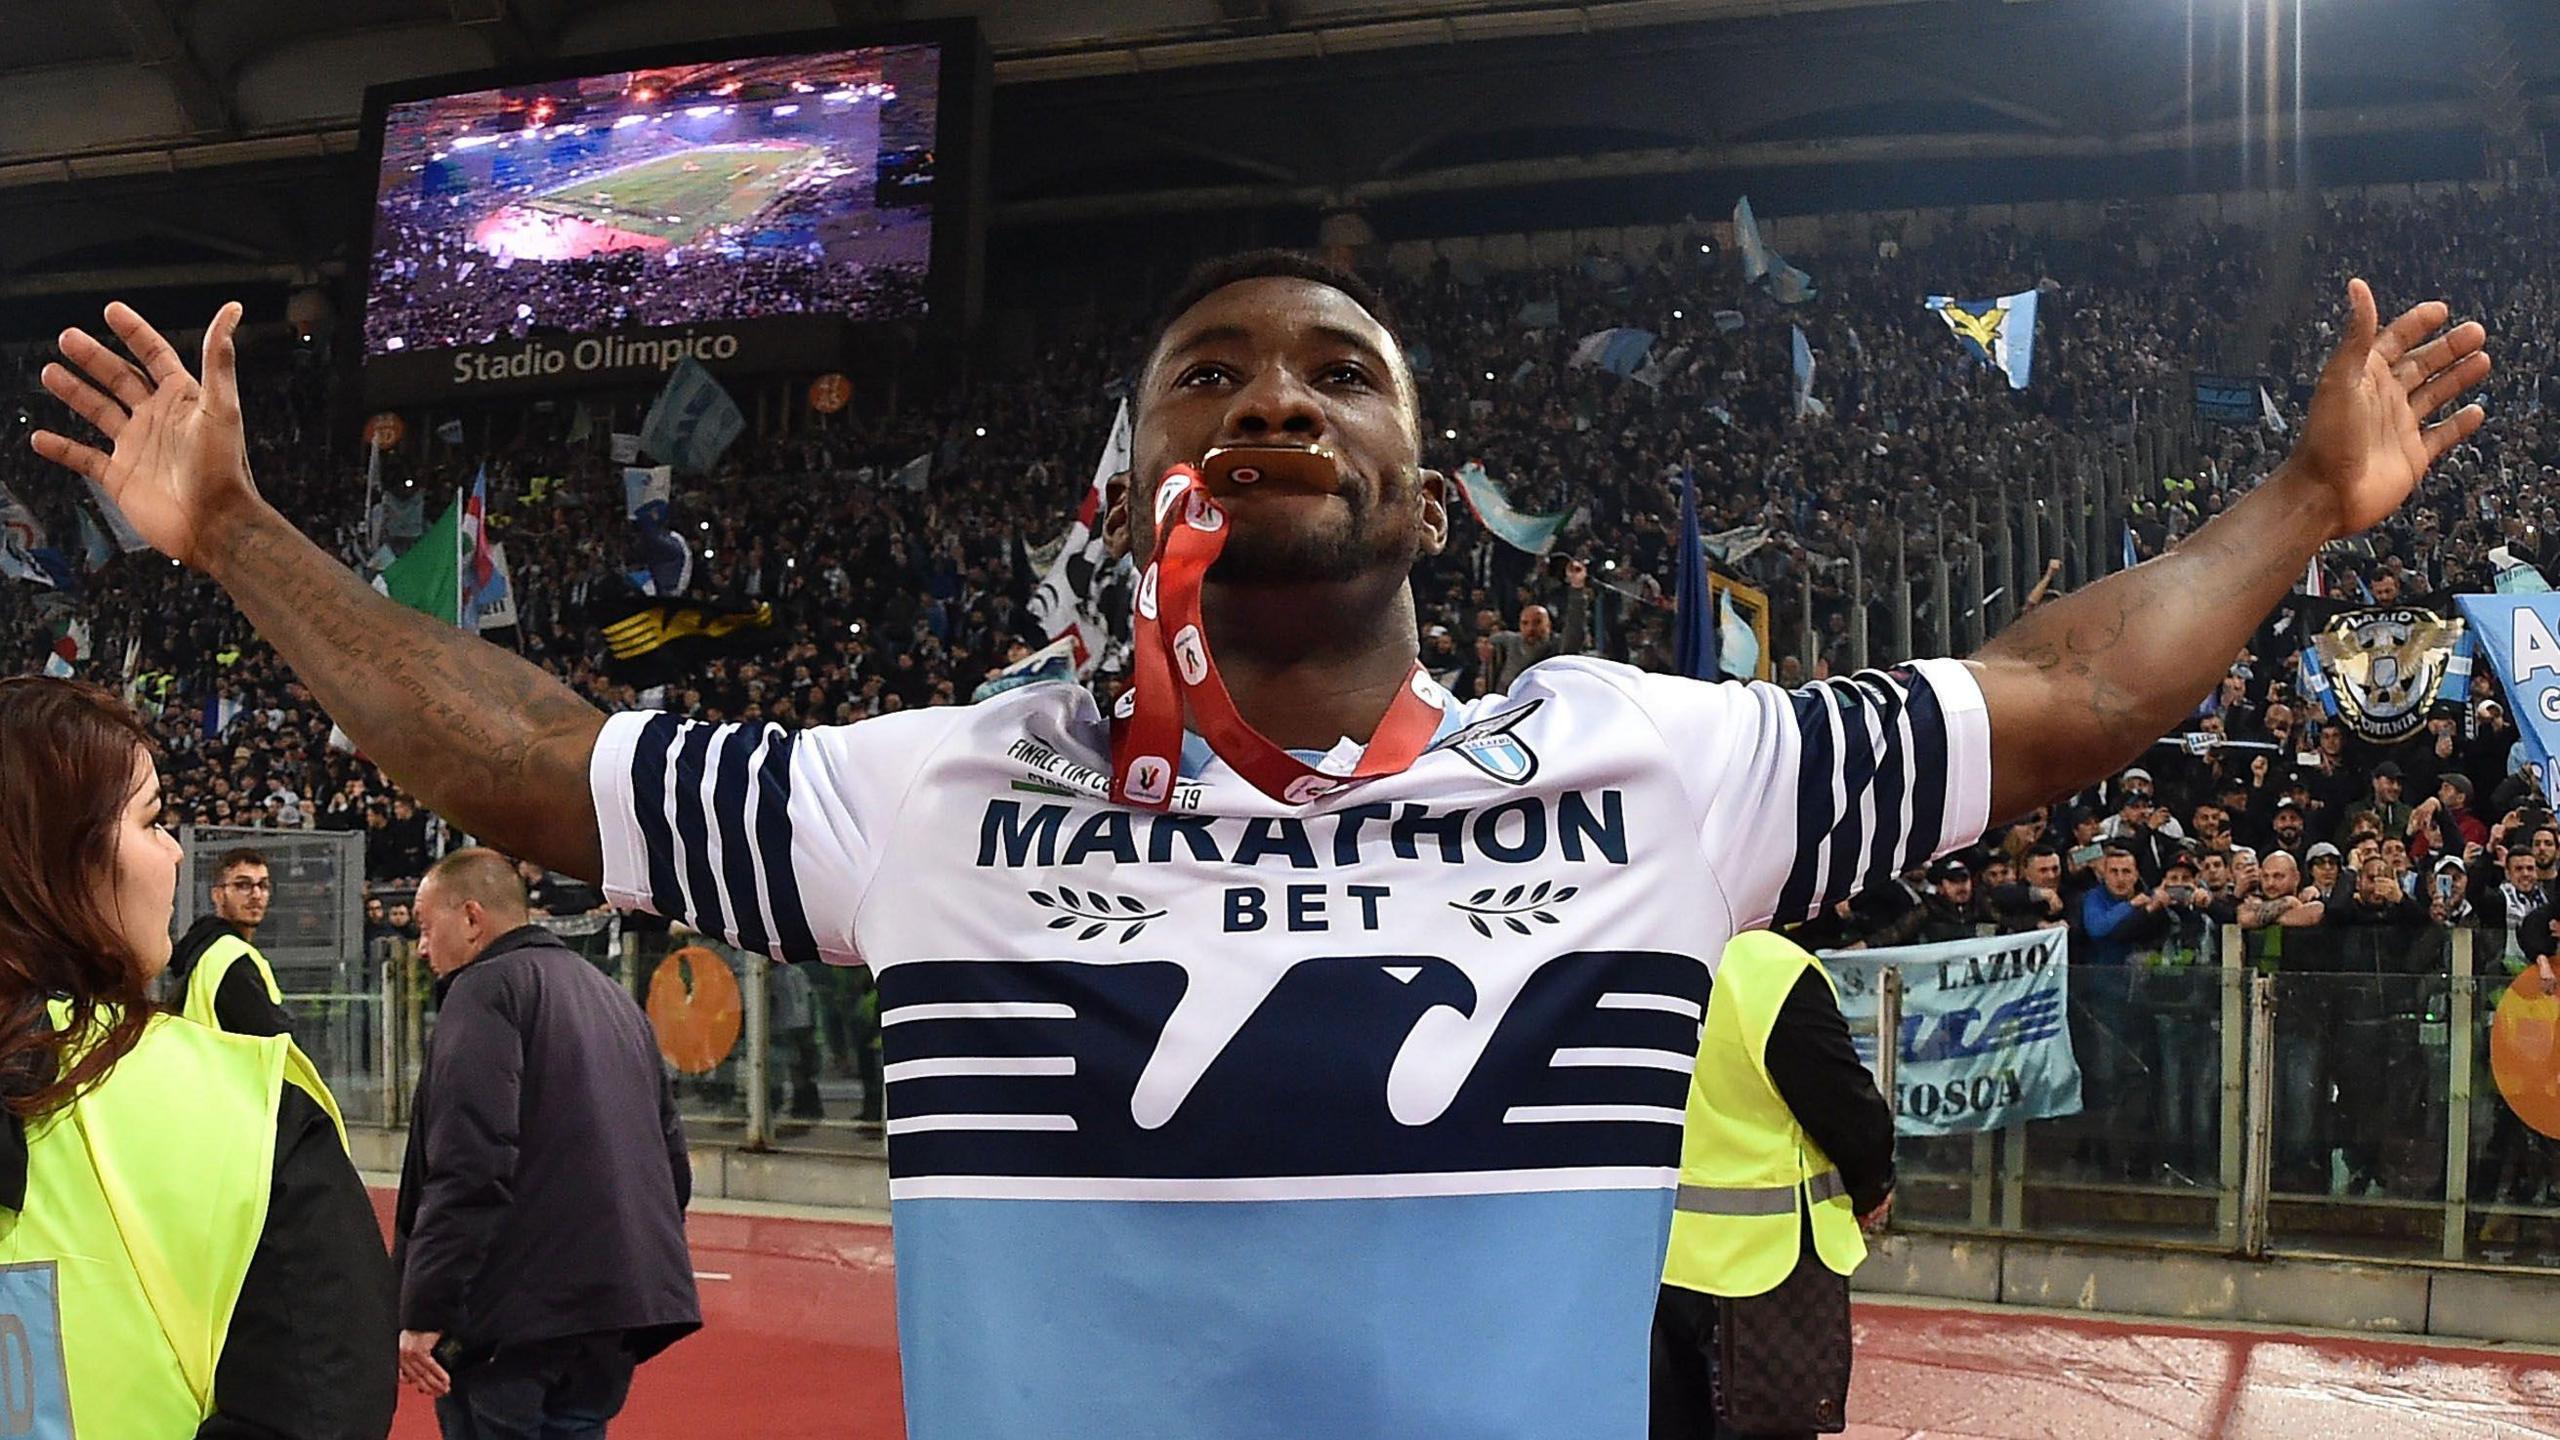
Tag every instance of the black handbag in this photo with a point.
(1782, 1358)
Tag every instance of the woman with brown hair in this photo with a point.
(185, 1248)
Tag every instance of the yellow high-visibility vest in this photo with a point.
(145, 1200)
(216, 962)
(1748, 1172)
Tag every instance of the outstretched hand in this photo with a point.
(2367, 439)
(178, 457)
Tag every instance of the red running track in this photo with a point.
(800, 1342)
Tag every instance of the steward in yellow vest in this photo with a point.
(152, 1218)
(1787, 1144)
(227, 983)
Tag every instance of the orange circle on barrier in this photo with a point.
(830, 393)
(695, 1007)
(385, 430)
(2524, 1051)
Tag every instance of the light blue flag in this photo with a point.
(1514, 527)
(647, 493)
(693, 421)
(1055, 661)
(1620, 351)
(2001, 331)
(2522, 635)
(1764, 266)
(1802, 363)
(1737, 647)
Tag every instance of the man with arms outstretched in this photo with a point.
(1326, 1079)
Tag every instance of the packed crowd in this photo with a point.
(444, 290)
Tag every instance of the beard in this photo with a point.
(1328, 547)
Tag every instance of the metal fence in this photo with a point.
(2334, 1099)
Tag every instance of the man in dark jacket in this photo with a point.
(540, 1235)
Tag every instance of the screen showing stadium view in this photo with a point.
(729, 190)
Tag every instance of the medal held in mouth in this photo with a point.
(1173, 670)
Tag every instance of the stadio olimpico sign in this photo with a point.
(556, 362)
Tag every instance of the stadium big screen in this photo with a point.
(553, 231)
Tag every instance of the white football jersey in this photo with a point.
(1360, 1118)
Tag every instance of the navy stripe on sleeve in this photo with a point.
(791, 933)
(693, 830)
(738, 859)
(649, 806)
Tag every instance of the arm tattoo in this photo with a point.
(482, 736)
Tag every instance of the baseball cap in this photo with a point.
(2322, 851)
(2288, 803)
(2388, 769)
(1951, 868)
(2136, 773)
(2457, 780)
(2448, 862)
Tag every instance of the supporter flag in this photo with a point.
(658, 642)
(1054, 661)
(916, 474)
(2522, 635)
(2001, 331)
(1066, 604)
(450, 432)
(127, 538)
(20, 538)
(2380, 669)
(1801, 362)
(70, 646)
(693, 421)
(647, 492)
(1513, 526)
(626, 448)
(1764, 266)
(2515, 576)
(95, 549)
(1694, 633)
(1539, 315)
(1737, 648)
(1729, 321)
(481, 566)
(1660, 367)
(404, 517)
(2132, 553)
(1619, 351)
(2269, 414)
(219, 711)
(428, 579)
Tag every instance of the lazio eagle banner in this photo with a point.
(2001, 331)
(2378, 669)
(1984, 1041)
(2522, 636)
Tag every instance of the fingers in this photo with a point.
(2439, 392)
(2461, 425)
(85, 400)
(2415, 324)
(70, 454)
(159, 361)
(2465, 339)
(220, 367)
(105, 368)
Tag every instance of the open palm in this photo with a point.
(2367, 438)
(178, 457)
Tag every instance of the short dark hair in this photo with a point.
(237, 857)
(1210, 276)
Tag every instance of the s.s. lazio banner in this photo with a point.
(1983, 1041)
(2522, 635)
(2379, 669)
(2001, 331)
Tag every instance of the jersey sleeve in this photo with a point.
(1805, 797)
(765, 836)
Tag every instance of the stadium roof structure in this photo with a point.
(212, 141)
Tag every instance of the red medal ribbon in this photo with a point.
(1173, 668)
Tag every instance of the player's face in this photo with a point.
(1280, 361)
